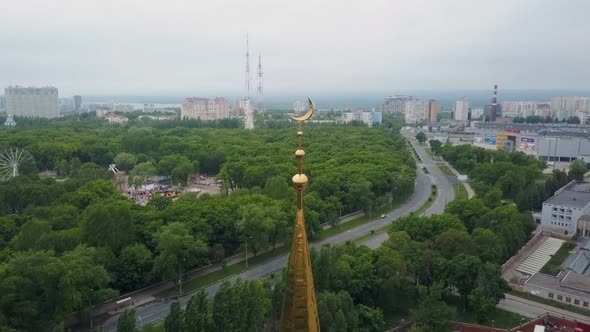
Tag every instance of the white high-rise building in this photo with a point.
(461, 112)
(570, 105)
(32, 102)
(395, 104)
(477, 113)
(512, 109)
(300, 106)
(415, 111)
(204, 109)
(365, 117)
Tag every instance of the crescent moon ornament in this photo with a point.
(307, 115)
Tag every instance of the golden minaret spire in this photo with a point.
(300, 312)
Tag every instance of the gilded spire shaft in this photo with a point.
(299, 307)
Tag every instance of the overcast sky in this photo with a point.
(198, 46)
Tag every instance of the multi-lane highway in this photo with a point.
(157, 311)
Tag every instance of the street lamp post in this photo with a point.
(90, 300)
(180, 278)
(247, 237)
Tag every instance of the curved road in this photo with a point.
(445, 192)
(156, 311)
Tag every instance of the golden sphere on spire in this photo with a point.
(299, 180)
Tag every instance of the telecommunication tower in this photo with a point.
(247, 68)
(247, 102)
(260, 89)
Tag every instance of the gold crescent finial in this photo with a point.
(307, 115)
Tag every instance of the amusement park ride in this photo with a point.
(10, 161)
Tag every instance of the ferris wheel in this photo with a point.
(10, 160)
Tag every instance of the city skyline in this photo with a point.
(322, 48)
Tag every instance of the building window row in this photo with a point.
(585, 304)
(562, 210)
(561, 224)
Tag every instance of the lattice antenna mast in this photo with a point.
(247, 68)
(260, 89)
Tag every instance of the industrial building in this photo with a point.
(32, 102)
(549, 142)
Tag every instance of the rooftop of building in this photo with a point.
(541, 129)
(576, 195)
(580, 132)
(19, 90)
(567, 282)
(580, 263)
(572, 198)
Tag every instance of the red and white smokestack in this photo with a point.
(495, 94)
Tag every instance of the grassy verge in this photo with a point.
(461, 192)
(497, 318)
(371, 234)
(429, 202)
(553, 266)
(445, 169)
(550, 302)
(426, 148)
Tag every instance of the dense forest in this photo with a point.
(430, 271)
(74, 241)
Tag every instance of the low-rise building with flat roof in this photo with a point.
(562, 211)
(571, 285)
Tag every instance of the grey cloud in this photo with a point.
(125, 46)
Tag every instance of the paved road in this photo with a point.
(533, 309)
(157, 311)
(445, 191)
(435, 176)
